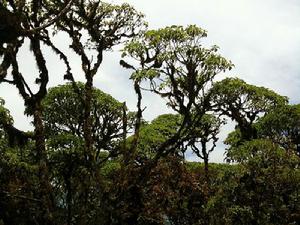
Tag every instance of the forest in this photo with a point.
(89, 160)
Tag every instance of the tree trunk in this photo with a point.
(47, 202)
(205, 158)
(206, 167)
(69, 200)
(87, 126)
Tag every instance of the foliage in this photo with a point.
(282, 126)
(204, 134)
(5, 118)
(243, 103)
(263, 191)
(19, 185)
(179, 68)
(79, 167)
(155, 133)
(176, 64)
(171, 195)
(63, 115)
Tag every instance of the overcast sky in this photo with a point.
(262, 39)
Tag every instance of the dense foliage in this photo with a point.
(89, 160)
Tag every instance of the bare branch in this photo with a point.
(49, 23)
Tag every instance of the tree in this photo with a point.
(262, 189)
(19, 19)
(172, 195)
(106, 25)
(14, 23)
(63, 115)
(14, 136)
(177, 67)
(243, 103)
(155, 133)
(206, 133)
(5, 119)
(282, 126)
(18, 174)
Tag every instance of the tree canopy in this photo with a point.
(107, 114)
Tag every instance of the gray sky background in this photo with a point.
(262, 39)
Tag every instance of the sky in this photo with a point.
(262, 39)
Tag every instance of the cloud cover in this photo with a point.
(262, 39)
